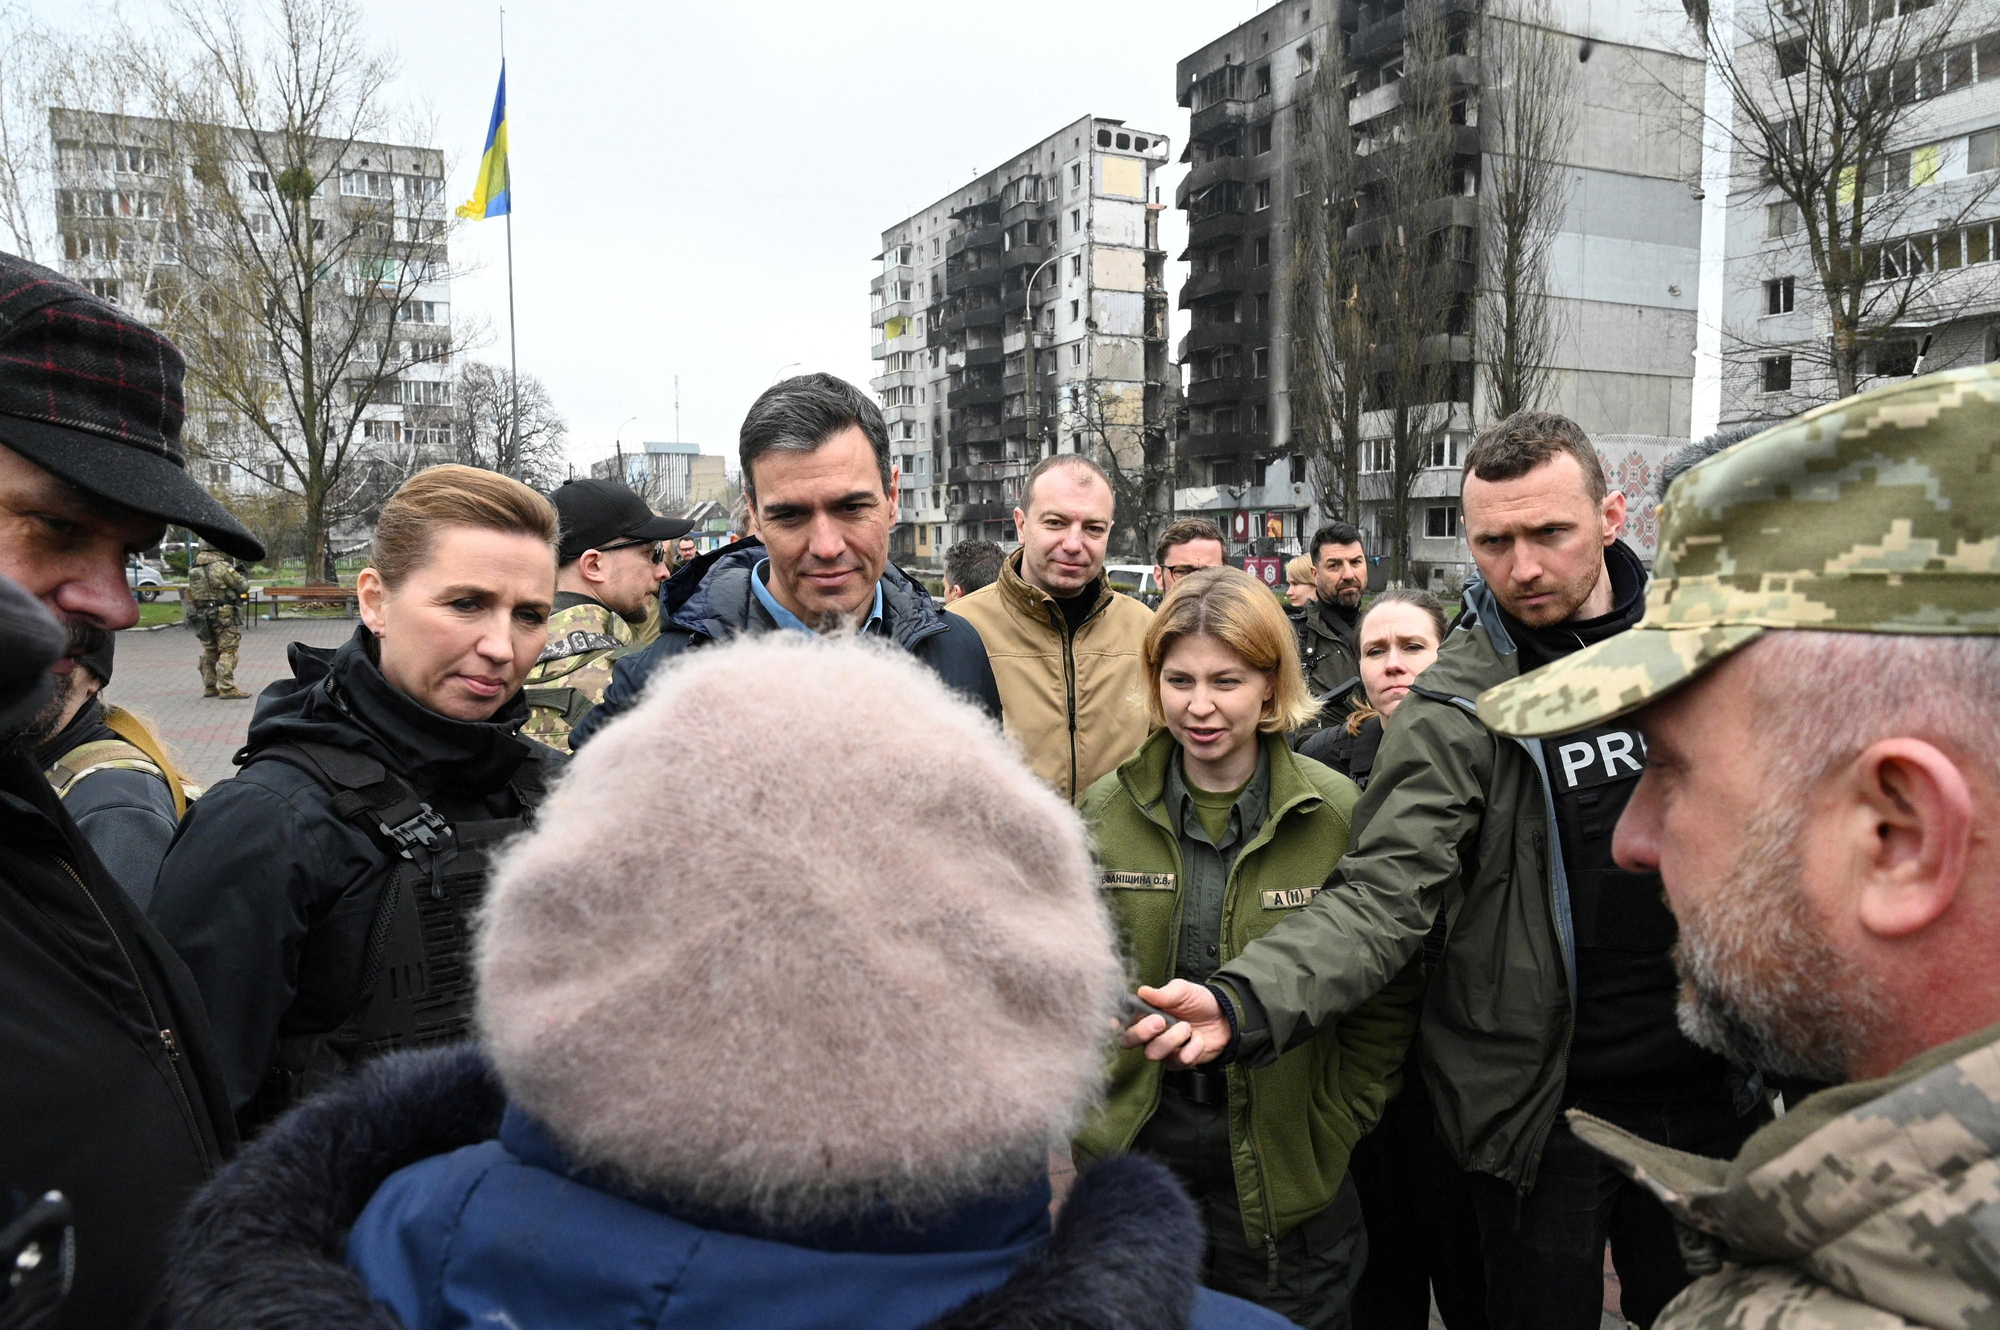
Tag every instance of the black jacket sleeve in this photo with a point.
(254, 867)
(128, 818)
(959, 656)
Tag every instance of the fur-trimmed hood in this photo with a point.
(272, 1244)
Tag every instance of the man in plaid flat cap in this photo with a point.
(1817, 677)
(110, 1092)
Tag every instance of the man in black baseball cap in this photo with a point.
(111, 1093)
(612, 562)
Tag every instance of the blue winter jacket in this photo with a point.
(485, 1225)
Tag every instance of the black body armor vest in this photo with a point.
(409, 927)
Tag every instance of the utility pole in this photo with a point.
(1028, 332)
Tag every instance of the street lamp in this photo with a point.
(782, 368)
(1028, 335)
(617, 449)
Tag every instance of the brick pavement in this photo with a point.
(154, 674)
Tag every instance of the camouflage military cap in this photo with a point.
(1879, 513)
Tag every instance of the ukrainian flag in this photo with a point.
(489, 190)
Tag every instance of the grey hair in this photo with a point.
(1833, 694)
(802, 414)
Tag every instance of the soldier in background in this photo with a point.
(1817, 677)
(216, 591)
(612, 564)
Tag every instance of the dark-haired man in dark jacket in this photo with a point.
(109, 1090)
(822, 495)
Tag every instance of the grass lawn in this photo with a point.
(158, 612)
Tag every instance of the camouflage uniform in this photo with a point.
(1869, 1205)
(586, 638)
(215, 591)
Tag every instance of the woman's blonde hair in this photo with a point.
(443, 496)
(1238, 611)
(1300, 570)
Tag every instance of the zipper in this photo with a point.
(1069, 688)
(168, 1040)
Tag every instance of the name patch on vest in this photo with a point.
(1290, 898)
(1140, 881)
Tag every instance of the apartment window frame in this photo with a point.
(1780, 296)
(1774, 375)
(1442, 521)
(1261, 197)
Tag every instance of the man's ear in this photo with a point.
(1613, 513)
(1914, 823)
(590, 566)
(1020, 525)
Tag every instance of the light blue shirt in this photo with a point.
(784, 618)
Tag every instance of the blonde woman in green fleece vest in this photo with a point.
(1209, 835)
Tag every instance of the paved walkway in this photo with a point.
(154, 673)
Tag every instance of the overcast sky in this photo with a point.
(700, 189)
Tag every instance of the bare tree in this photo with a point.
(1524, 120)
(302, 243)
(1110, 421)
(483, 420)
(1420, 318)
(1830, 128)
(1332, 339)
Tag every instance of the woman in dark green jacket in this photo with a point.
(1208, 836)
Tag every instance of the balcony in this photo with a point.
(981, 512)
(1025, 256)
(983, 355)
(975, 394)
(1203, 175)
(974, 279)
(1010, 468)
(1205, 336)
(894, 309)
(1231, 388)
(890, 278)
(988, 236)
(1224, 445)
(982, 316)
(1218, 227)
(896, 380)
(976, 434)
(1207, 285)
(1221, 118)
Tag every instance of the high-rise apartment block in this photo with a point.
(1622, 270)
(136, 205)
(1926, 288)
(1021, 315)
(670, 476)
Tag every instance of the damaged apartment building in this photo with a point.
(1621, 268)
(1022, 315)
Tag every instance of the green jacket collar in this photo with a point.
(1256, 796)
(1843, 1160)
(1144, 776)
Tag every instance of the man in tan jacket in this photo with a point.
(1066, 648)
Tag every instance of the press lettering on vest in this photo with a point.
(1290, 898)
(1140, 881)
(1597, 760)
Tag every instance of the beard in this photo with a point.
(31, 733)
(1559, 608)
(1761, 983)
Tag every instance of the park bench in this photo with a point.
(277, 596)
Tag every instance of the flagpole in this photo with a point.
(513, 353)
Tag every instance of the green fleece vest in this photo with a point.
(1292, 1124)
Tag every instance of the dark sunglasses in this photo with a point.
(659, 548)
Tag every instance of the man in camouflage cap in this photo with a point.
(1817, 676)
(612, 564)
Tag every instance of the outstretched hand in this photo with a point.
(1198, 1033)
